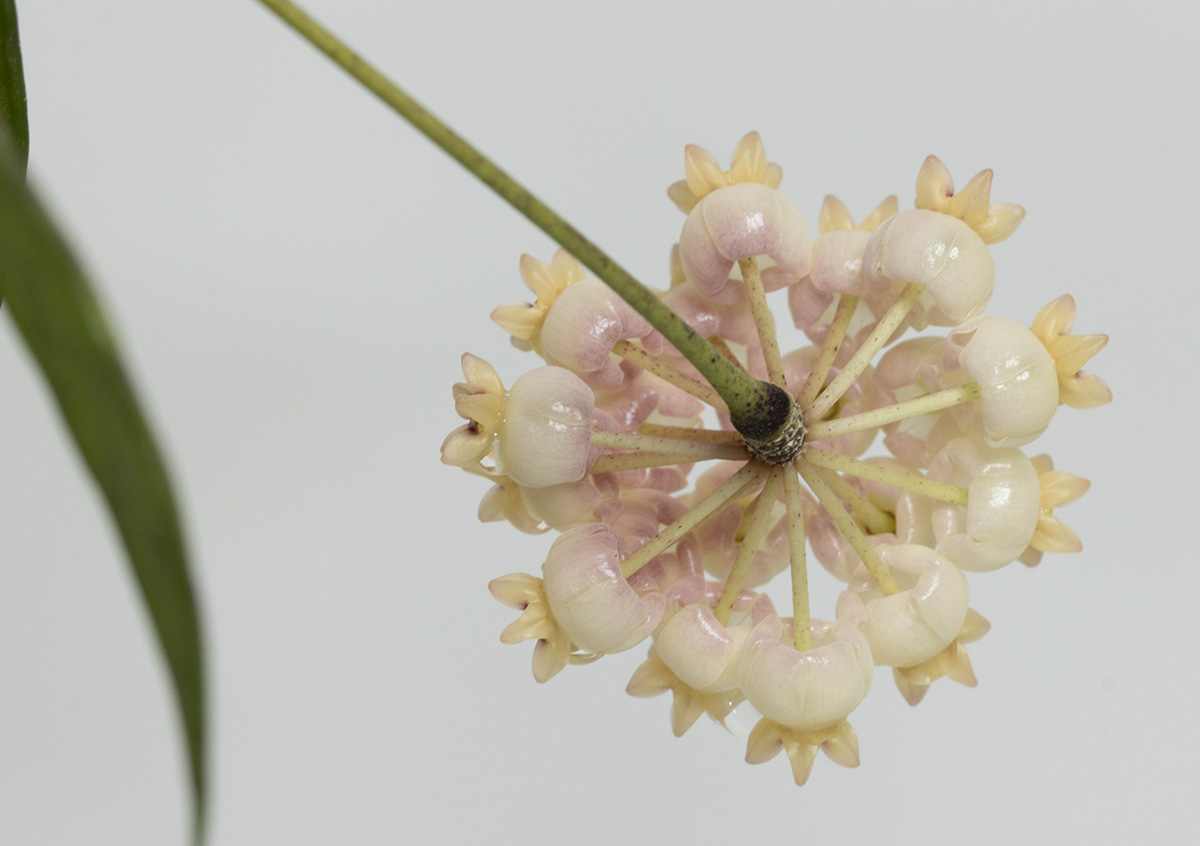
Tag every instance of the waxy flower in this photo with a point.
(601, 446)
(590, 598)
(1015, 374)
(1001, 513)
(913, 625)
(811, 689)
(939, 252)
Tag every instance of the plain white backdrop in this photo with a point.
(294, 273)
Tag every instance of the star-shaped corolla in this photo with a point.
(1016, 377)
(838, 742)
(952, 663)
(554, 649)
(547, 281)
(1076, 387)
(993, 222)
(654, 677)
(1052, 534)
(480, 401)
(915, 624)
(704, 175)
(1001, 513)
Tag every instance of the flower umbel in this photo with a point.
(599, 445)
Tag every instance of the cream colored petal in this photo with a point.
(834, 216)
(521, 320)
(517, 590)
(651, 678)
(970, 204)
(484, 409)
(563, 506)
(801, 757)
(1030, 557)
(466, 446)
(774, 175)
(549, 657)
(749, 160)
(587, 319)
(764, 743)
(541, 278)
(481, 377)
(1002, 509)
(974, 627)
(686, 708)
(1055, 318)
(837, 261)
(887, 208)
(914, 625)
(702, 652)
(842, 747)
(1085, 390)
(703, 173)
(503, 502)
(1002, 220)
(1072, 352)
(934, 185)
(535, 623)
(743, 221)
(912, 692)
(1053, 535)
(569, 268)
(958, 665)
(682, 196)
(1059, 488)
(1042, 463)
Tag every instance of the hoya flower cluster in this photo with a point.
(669, 525)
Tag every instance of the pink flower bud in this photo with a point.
(744, 221)
(582, 326)
(590, 599)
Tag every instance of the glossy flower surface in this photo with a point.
(619, 444)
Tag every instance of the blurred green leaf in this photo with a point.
(57, 313)
(12, 84)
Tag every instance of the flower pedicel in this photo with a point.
(599, 445)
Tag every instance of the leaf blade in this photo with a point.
(61, 322)
(13, 112)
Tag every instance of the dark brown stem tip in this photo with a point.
(773, 427)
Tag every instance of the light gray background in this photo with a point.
(294, 273)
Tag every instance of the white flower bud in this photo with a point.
(806, 690)
(699, 650)
(837, 262)
(1016, 374)
(546, 432)
(1002, 504)
(914, 625)
(937, 251)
